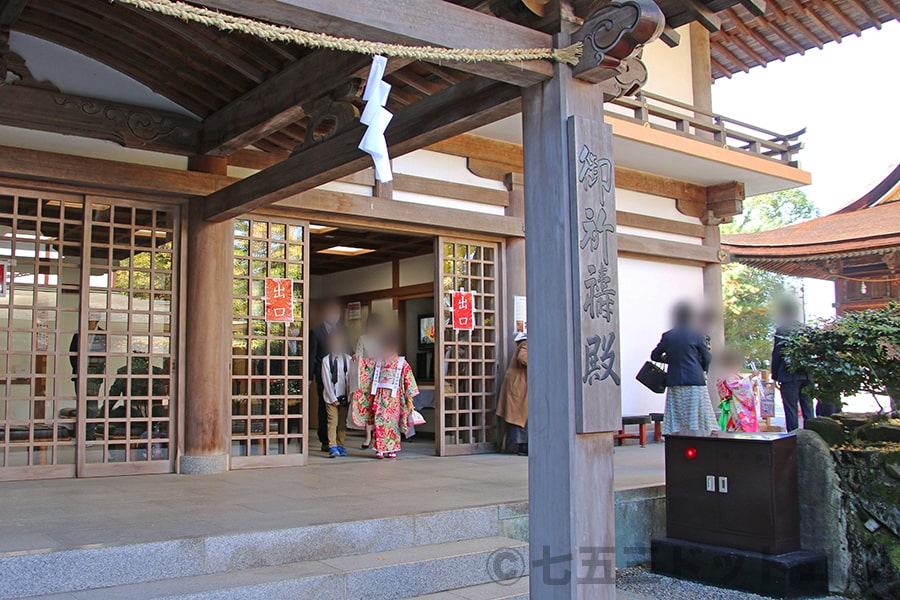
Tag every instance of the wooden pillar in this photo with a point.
(701, 75)
(571, 250)
(515, 254)
(571, 511)
(208, 336)
(701, 66)
(712, 295)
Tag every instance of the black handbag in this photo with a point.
(653, 377)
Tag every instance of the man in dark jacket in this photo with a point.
(318, 350)
(790, 381)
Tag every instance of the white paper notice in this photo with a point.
(377, 118)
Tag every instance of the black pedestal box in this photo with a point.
(735, 490)
(733, 515)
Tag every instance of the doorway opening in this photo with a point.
(391, 275)
(409, 281)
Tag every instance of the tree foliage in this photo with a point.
(748, 293)
(859, 352)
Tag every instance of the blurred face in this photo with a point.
(336, 344)
(332, 314)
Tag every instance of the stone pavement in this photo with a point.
(61, 514)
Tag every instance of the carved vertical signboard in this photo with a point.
(599, 394)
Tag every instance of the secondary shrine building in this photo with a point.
(133, 329)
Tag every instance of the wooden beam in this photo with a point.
(127, 125)
(449, 189)
(10, 11)
(756, 8)
(95, 173)
(637, 245)
(690, 198)
(726, 199)
(504, 157)
(410, 217)
(710, 20)
(471, 104)
(629, 219)
(671, 37)
(256, 159)
(277, 102)
(415, 22)
(475, 146)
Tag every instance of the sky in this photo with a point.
(847, 96)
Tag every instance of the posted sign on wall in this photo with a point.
(279, 300)
(4, 275)
(463, 311)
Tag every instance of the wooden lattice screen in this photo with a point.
(268, 421)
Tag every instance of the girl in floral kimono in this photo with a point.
(385, 398)
(738, 395)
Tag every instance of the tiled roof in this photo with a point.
(876, 227)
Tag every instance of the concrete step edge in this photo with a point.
(409, 572)
(511, 589)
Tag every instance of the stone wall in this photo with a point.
(850, 509)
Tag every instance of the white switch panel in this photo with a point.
(710, 483)
(723, 485)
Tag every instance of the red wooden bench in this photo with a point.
(641, 421)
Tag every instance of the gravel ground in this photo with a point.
(641, 581)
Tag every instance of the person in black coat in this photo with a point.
(790, 381)
(318, 350)
(685, 350)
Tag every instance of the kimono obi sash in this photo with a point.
(387, 376)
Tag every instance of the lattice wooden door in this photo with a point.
(128, 349)
(466, 378)
(268, 402)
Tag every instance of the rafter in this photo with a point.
(277, 102)
(473, 103)
(756, 35)
(710, 20)
(813, 16)
(10, 11)
(417, 22)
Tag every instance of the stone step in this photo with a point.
(24, 574)
(388, 575)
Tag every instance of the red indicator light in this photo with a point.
(690, 453)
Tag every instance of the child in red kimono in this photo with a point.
(738, 395)
(385, 398)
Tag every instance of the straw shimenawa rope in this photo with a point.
(277, 33)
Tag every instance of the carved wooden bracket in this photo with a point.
(892, 260)
(615, 33)
(631, 77)
(332, 114)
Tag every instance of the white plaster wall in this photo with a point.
(417, 270)
(647, 292)
(659, 235)
(79, 146)
(436, 165)
(438, 201)
(648, 204)
(77, 74)
(670, 68)
(352, 281)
